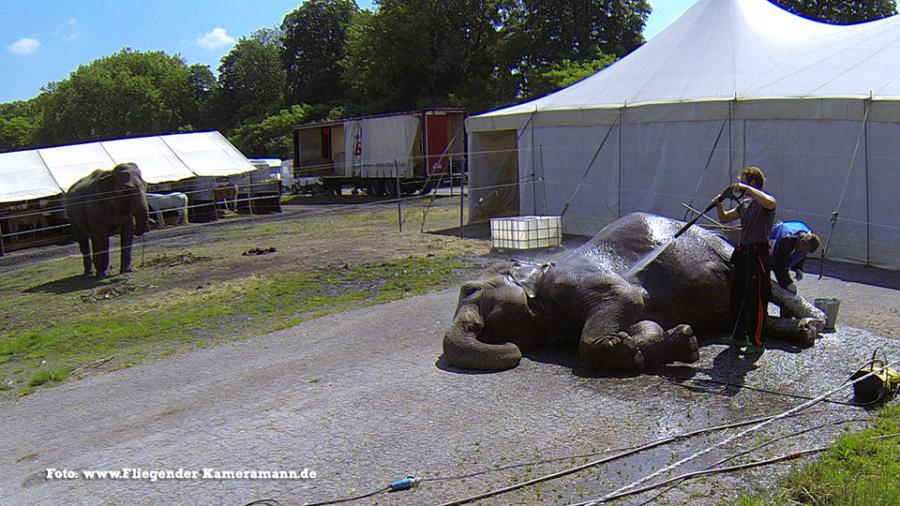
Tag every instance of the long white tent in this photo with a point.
(730, 83)
(40, 173)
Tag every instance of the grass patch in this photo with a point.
(49, 376)
(860, 469)
(75, 322)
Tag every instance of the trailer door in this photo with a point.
(436, 127)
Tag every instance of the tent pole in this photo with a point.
(731, 106)
(543, 176)
(619, 162)
(533, 183)
(866, 162)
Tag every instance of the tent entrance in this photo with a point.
(493, 175)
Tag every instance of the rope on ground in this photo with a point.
(700, 453)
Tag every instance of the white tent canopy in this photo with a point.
(39, 173)
(730, 83)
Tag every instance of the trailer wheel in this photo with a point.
(390, 187)
(375, 187)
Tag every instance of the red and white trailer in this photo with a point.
(413, 150)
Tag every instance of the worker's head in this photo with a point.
(808, 243)
(753, 176)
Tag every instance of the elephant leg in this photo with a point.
(660, 347)
(85, 246)
(605, 343)
(794, 305)
(100, 246)
(800, 321)
(125, 253)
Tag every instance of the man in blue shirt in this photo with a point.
(791, 242)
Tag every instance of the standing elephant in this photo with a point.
(104, 203)
(621, 320)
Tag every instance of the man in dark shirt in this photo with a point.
(791, 242)
(750, 288)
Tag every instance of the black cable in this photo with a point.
(756, 389)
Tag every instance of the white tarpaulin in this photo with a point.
(372, 144)
(731, 83)
(23, 176)
(46, 172)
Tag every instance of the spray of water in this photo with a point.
(647, 259)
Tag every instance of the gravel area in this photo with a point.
(362, 399)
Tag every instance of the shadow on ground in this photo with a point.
(73, 284)
(853, 273)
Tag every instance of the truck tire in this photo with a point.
(375, 187)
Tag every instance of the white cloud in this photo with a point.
(72, 22)
(72, 36)
(25, 45)
(215, 39)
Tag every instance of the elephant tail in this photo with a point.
(463, 349)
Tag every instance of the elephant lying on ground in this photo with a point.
(104, 203)
(175, 201)
(621, 321)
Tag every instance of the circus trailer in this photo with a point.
(415, 151)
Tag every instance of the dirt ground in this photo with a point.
(869, 297)
(362, 398)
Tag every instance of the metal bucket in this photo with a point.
(830, 307)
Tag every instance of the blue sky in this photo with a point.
(46, 40)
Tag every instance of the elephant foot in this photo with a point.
(660, 347)
(802, 332)
(103, 274)
(128, 269)
(812, 328)
(685, 346)
(617, 352)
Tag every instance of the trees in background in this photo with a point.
(328, 59)
(126, 94)
(840, 12)
(251, 80)
(313, 46)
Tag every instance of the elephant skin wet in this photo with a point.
(105, 203)
(621, 319)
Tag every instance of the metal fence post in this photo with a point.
(399, 207)
(462, 199)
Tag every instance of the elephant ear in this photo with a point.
(528, 276)
(127, 175)
(105, 183)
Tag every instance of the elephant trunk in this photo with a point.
(141, 212)
(463, 349)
